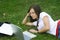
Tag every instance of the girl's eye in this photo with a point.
(31, 12)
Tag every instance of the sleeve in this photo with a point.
(35, 23)
(43, 14)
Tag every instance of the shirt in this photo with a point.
(53, 24)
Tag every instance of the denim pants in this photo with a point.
(58, 30)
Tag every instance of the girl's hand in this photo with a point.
(27, 14)
(33, 31)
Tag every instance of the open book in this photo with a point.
(6, 29)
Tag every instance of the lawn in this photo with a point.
(14, 11)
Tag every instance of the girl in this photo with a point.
(42, 20)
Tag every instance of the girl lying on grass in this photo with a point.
(42, 20)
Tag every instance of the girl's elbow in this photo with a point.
(23, 23)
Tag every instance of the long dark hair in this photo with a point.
(37, 11)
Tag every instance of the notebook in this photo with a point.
(28, 35)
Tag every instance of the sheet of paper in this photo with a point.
(29, 34)
(6, 29)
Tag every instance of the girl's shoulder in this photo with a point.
(42, 14)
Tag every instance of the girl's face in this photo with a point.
(33, 14)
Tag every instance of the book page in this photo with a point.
(6, 29)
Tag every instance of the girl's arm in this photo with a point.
(44, 29)
(47, 25)
(25, 21)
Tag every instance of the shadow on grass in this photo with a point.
(7, 37)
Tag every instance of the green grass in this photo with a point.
(15, 11)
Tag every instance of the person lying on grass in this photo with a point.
(42, 20)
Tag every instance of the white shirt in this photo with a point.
(53, 24)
